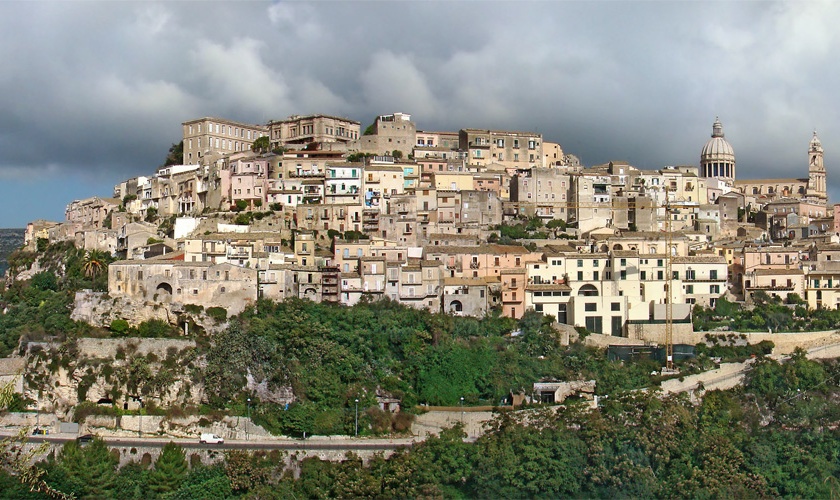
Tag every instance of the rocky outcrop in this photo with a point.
(99, 309)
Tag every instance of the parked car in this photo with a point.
(85, 438)
(209, 438)
(40, 432)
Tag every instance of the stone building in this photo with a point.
(166, 280)
(208, 139)
(394, 132)
(330, 132)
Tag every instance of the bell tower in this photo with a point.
(816, 172)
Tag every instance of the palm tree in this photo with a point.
(93, 263)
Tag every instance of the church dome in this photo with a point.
(717, 149)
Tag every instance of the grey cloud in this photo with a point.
(105, 86)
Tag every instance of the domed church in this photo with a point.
(717, 160)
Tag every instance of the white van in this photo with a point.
(209, 438)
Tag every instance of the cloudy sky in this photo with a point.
(94, 92)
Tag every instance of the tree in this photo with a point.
(45, 280)
(170, 470)
(397, 154)
(93, 263)
(261, 145)
(175, 155)
(151, 214)
(371, 129)
(88, 471)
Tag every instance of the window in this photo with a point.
(580, 263)
(689, 289)
(658, 262)
(623, 274)
(590, 306)
(595, 275)
(660, 275)
(580, 276)
(643, 275)
(593, 324)
(675, 275)
(538, 308)
(714, 289)
(623, 262)
(615, 306)
(713, 274)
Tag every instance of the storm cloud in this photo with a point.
(95, 92)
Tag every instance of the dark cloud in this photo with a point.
(96, 91)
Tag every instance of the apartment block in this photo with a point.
(512, 150)
(331, 132)
(208, 139)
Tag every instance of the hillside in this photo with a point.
(10, 240)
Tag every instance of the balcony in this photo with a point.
(306, 174)
(474, 265)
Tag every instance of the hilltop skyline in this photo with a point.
(98, 92)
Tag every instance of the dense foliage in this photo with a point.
(775, 437)
(330, 355)
(766, 314)
(40, 307)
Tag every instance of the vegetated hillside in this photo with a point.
(10, 240)
(777, 436)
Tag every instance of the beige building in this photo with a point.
(511, 150)
(331, 132)
(208, 139)
(164, 281)
(91, 212)
(394, 132)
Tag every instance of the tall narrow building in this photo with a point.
(718, 158)
(816, 172)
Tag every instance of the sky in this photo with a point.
(94, 93)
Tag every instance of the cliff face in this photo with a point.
(10, 240)
(99, 309)
(162, 372)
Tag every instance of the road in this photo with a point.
(290, 444)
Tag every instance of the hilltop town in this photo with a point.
(464, 222)
(431, 294)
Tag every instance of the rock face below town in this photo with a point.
(99, 309)
(163, 372)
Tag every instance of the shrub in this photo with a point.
(119, 327)
(156, 328)
(219, 314)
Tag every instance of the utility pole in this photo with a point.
(357, 417)
(249, 419)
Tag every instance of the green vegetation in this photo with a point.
(261, 145)
(330, 355)
(529, 228)
(774, 437)
(40, 308)
(767, 313)
(175, 156)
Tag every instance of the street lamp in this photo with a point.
(462, 410)
(249, 419)
(140, 418)
(357, 417)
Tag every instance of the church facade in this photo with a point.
(717, 161)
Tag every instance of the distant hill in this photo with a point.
(10, 240)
